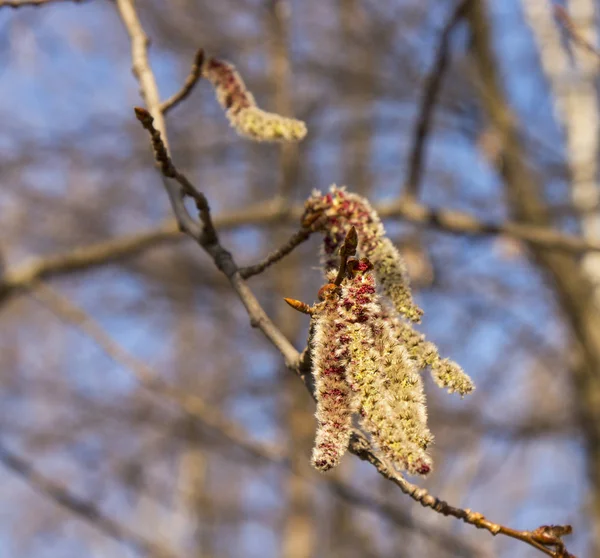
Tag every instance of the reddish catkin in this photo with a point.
(241, 109)
(334, 396)
(341, 211)
(366, 360)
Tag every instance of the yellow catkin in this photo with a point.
(259, 125)
(377, 407)
(240, 107)
(446, 373)
(390, 397)
(392, 274)
(404, 386)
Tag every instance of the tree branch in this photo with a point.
(576, 36)
(177, 186)
(206, 414)
(189, 84)
(85, 509)
(295, 240)
(31, 3)
(360, 445)
(431, 91)
(22, 276)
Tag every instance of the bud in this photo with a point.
(299, 306)
(342, 211)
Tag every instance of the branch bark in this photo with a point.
(86, 510)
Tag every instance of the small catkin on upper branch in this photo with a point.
(241, 109)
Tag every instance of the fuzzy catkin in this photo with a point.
(342, 210)
(390, 398)
(334, 396)
(404, 387)
(240, 107)
(446, 373)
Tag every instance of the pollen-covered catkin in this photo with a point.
(404, 387)
(446, 373)
(392, 409)
(366, 360)
(241, 109)
(334, 396)
(341, 211)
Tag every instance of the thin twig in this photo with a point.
(576, 36)
(32, 3)
(429, 97)
(295, 240)
(222, 258)
(209, 233)
(21, 277)
(545, 538)
(189, 84)
(85, 509)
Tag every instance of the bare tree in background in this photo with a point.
(142, 411)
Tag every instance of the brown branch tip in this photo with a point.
(298, 305)
(160, 151)
(189, 84)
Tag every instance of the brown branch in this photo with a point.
(22, 277)
(545, 538)
(431, 91)
(562, 15)
(223, 259)
(141, 64)
(295, 240)
(84, 509)
(31, 3)
(208, 236)
(459, 222)
(210, 416)
(189, 84)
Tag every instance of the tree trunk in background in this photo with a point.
(572, 77)
(299, 529)
(299, 536)
(192, 503)
(283, 103)
(573, 287)
(356, 96)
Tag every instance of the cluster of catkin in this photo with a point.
(240, 107)
(366, 354)
(366, 357)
